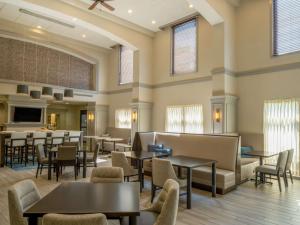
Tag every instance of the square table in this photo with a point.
(189, 163)
(140, 157)
(112, 199)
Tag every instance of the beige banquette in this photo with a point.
(122, 133)
(224, 149)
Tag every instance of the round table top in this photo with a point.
(90, 136)
(114, 139)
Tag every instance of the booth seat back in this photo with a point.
(146, 138)
(223, 149)
(119, 133)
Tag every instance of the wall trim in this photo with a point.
(182, 82)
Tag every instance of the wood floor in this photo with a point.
(247, 205)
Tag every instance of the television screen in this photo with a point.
(24, 114)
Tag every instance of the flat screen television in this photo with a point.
(25, 114)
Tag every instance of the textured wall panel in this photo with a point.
(23, 61)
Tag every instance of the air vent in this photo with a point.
(45, 18)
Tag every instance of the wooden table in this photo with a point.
(139, 157)
(261, 155)
(114, 140)
(54, 150)
(189, 163)
(112, 199)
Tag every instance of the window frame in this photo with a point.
(172, 72)
(272, 35)
(120, 66)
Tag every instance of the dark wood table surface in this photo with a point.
(54, 150)
(112, 199)
(260, 154)
(139, 157)
(190, 163)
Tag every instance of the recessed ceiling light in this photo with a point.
(130, 11)
(74, 19)
(84, 36)
(153, 22)
(191, 6)
(39, 27)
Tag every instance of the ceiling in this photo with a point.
(146, 11)
(12, 13)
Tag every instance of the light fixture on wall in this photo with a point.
(68, 93)
(22, 89)
(218, 115)
(47, 91)
(91, 116)
(58, 97)
(134, 116)
(35, 94)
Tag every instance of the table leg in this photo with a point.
(140, 174)
(114, 146)
(84, 165)
(49, 164)
(189, 189)
(213, 180)
(91, 143)
(260, 174)
(102, 143)
(132, 220)
(32, 220)
(179, 171)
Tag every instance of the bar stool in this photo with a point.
(17, 142)
(74, 136)
(57, 138)
(37, 138)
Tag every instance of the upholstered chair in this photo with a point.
(57, 138)
(37, 138)
(289, 165)
(16, 143)
(84, 219)
(91, 158)
(165, 207)
(278, 170)
(21, 196)
(66, 156)
(118, 159)
(74, 136)
(42, 159)
(105, 174)
(162, 170)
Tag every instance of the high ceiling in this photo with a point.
(31, 19)
(143, 12)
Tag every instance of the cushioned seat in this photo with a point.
(269, 169)
(225, 178)
(248, 166)
(245, 161)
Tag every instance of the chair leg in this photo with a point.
(11, 157)
(41, 170)
(57, 172)
(279, 182)
(291, 176)
(153, 189)
(285, 180)
(37, 170)
(256, 176)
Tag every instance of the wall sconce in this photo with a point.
(134, 116)
(218, 115)
(91, 116)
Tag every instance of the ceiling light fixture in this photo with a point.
(191, 6)
(130, 11)
(39, 27)
(153, 22)
(74, 19)
(84, 36)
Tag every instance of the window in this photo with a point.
(184, 119)
(281, 128)
(286, 26)
(184, 49)
(123, 118)
(126, 65)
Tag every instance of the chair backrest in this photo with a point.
(58, 137)
(74, 136)
(167, 203)
(21, 196)
(40, 152)
(83, 219)
(66, 153)
(39, 138)
(105, 174)
(118, 159)
(281, 161)
(18, 139)
(96, 151)
(289, 159)
(162, 170)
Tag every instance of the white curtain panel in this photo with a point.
(184, 119)
(123, 118)
(281, 128)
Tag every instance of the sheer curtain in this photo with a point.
(281, 128)
(123, 118)
(184, 119)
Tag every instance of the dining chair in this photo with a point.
(21, 196)
(288, 166)
(42, 159)
(57, 139)
(118, 159)
(37, 138)
(278, 170)
(91, 158)
(66, 156)
(16, 145)
(106, 174)
(83, 219)
(74, 136)
(162, 170)
(164, 210)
